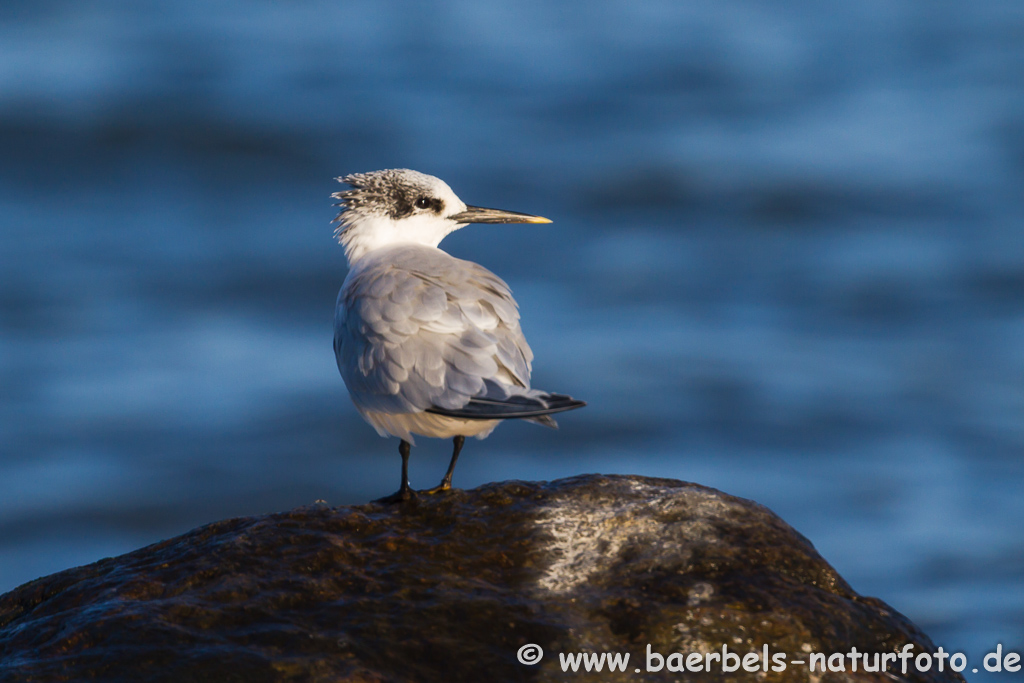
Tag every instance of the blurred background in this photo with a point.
(786, 262)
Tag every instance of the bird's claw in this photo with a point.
(402, 495)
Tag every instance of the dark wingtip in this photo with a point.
(515, 407)
(564, 402)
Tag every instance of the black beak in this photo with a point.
(478, 214)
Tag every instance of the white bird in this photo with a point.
(427, 343)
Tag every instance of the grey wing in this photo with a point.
(410, 338)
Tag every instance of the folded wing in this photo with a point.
(416, 330)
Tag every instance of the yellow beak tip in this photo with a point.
(540, 219)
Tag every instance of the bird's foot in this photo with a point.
(402, 495)
(440, 488)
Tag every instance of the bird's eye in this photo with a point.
(423, 203)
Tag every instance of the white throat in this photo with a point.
(361, 233)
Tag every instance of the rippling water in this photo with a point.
(786, 262)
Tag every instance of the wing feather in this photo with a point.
(416, 328)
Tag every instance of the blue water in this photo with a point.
(787, 261)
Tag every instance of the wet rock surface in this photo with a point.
(449, 587)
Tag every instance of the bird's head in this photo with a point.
(399, 205)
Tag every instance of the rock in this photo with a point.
(450, 587)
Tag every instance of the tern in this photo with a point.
(426, 343)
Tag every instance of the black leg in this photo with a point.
(446, 483)
(404, 449)
(405, 491)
